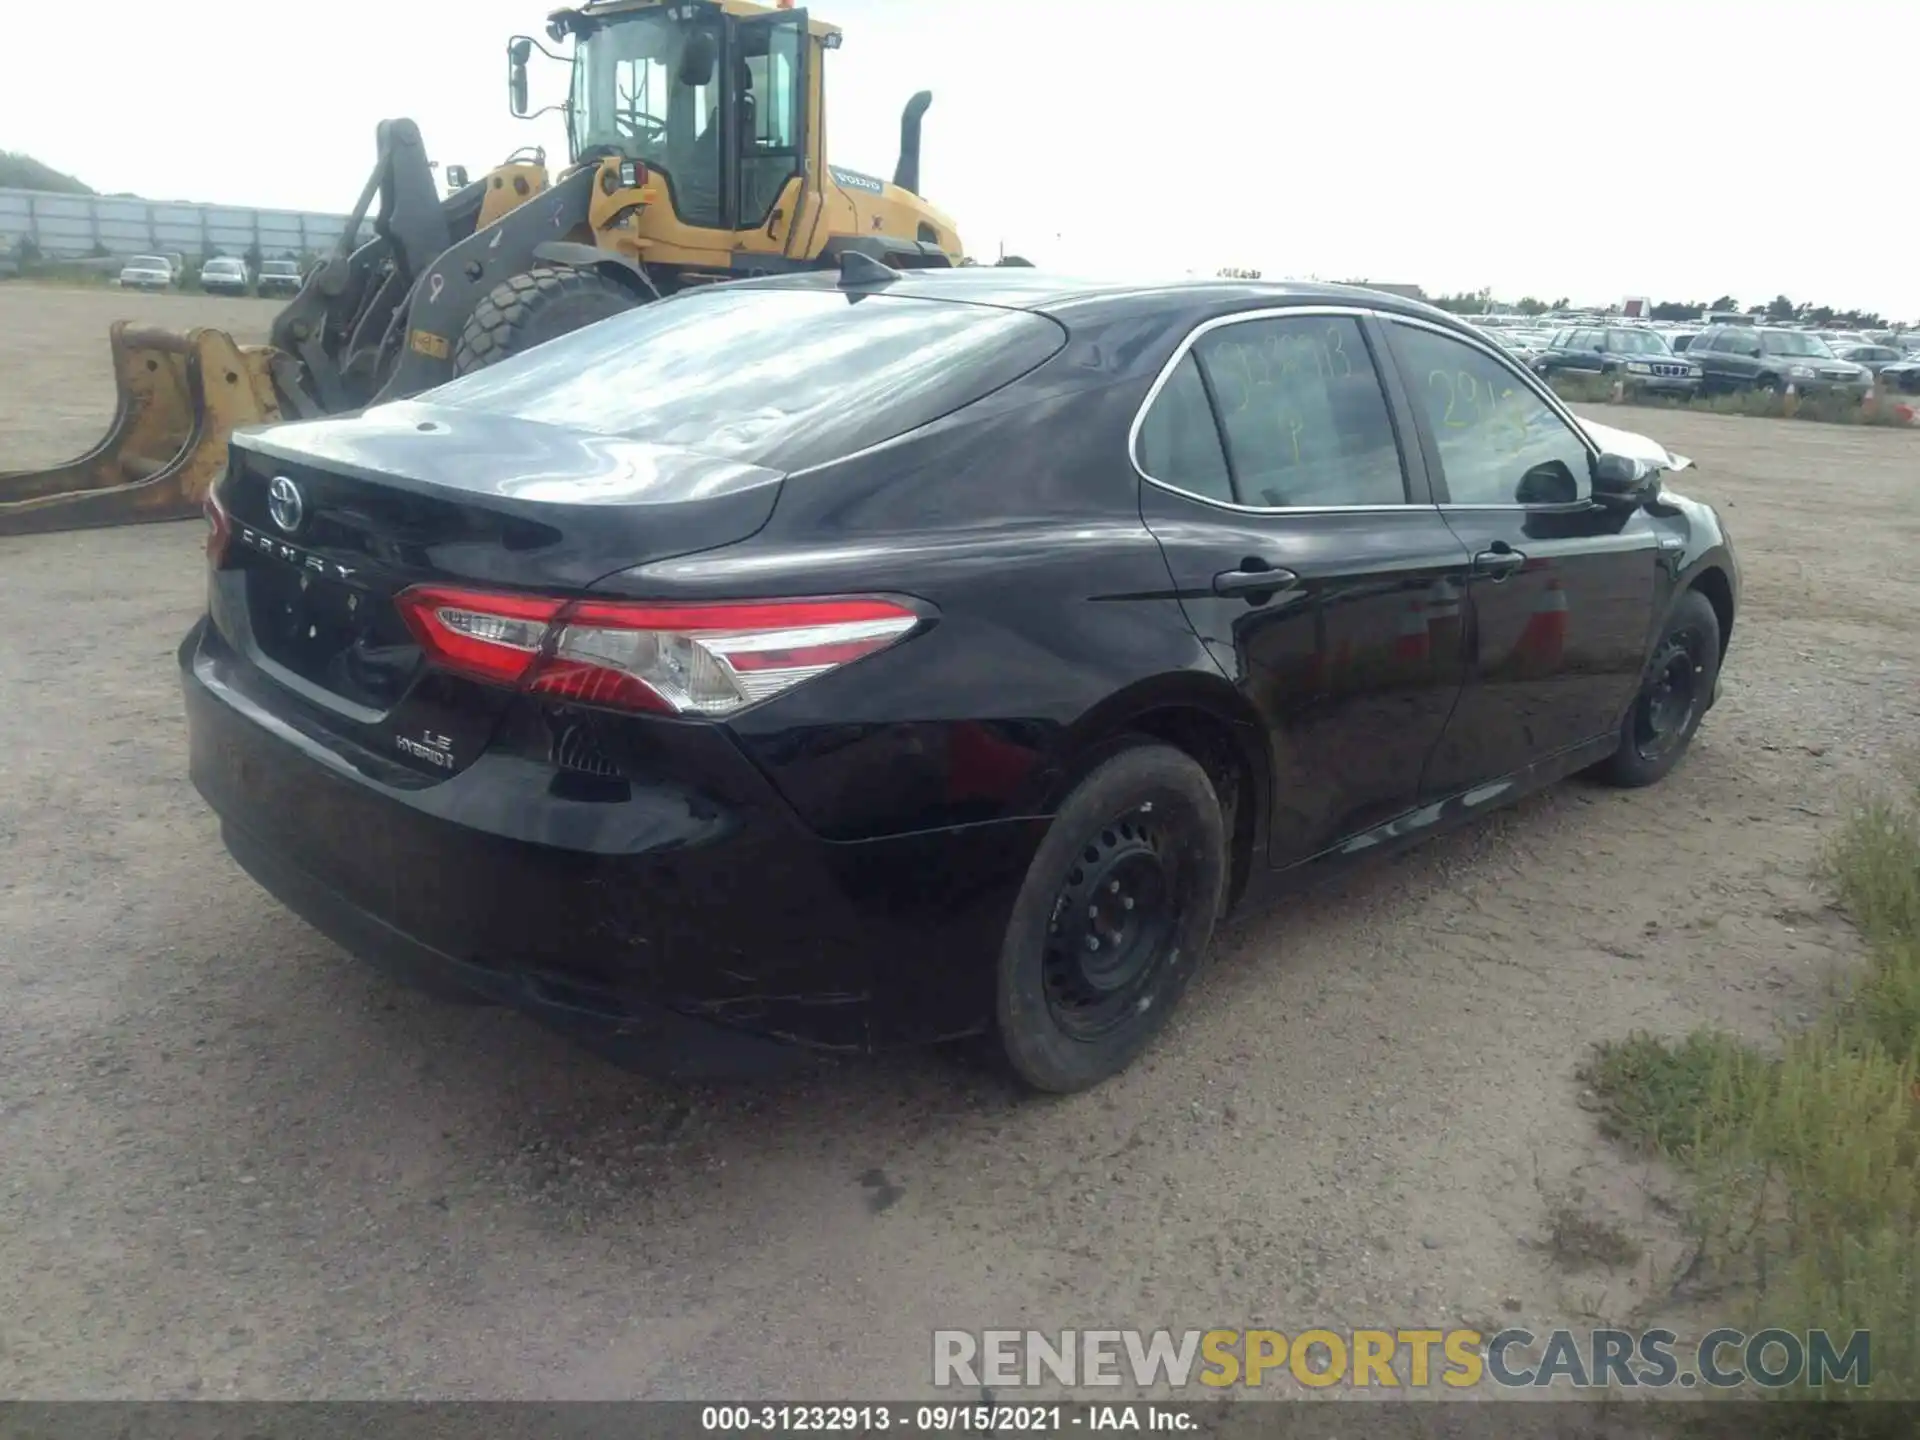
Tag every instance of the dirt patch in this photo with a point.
(233, 1162)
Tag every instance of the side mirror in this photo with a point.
(1548, 483)
(518, 49)
(1623, 481)
(697, 59)
(456, 177)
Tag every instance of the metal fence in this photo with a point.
(67, 227)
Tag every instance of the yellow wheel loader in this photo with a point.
(697, 154)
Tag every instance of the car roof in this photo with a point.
(1019, 287)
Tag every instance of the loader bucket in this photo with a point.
(179, 399)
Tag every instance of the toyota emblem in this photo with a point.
(285, 505)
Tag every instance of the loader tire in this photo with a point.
(542, 304)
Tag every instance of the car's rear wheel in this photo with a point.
(1114, 916)
(1674, 694)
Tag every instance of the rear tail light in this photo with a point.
(219, 529)
(672, 659)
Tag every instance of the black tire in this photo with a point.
(543, 304)
(1143, 830)
(1768, 383)
(1675, 691)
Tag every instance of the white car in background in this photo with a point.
(225, 275)
(147, 272)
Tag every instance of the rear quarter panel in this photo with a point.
(1017, 519)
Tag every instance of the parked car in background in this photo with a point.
(1761, 357)
(1902, 375)
(1527, 344)
(147, 272)
(1681, 339)
(1639, 358)
(225, 275)
(279, 277)
(854, 662)
(1873, 357)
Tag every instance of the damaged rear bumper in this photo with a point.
(684, 922)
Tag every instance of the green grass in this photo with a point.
(1805, 1164)
(1761, 404)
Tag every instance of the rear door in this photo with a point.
(1586, 353)
(1290, 500)
(1562, 594)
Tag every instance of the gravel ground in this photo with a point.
(234, 1162)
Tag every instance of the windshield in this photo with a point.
(223, 267)
(1637, 342)
(783, 378)
(1791, 342)
(630, 97)
(148, 262)
(280, 267)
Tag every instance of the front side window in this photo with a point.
(1303, 413)
(1499, 442)
(1796, 344)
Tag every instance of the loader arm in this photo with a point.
(339, 329)
(179, 397)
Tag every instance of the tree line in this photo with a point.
(1778, 309)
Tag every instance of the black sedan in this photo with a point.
(839, 664)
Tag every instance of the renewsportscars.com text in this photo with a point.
(1004, 1360)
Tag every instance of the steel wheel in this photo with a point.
(1664, 714)
(1113, 918)
(1675, 690)
(1113, 926)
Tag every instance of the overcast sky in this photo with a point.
(1594, 150)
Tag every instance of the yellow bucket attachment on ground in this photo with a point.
(180, 398)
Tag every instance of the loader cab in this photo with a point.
(713, 102)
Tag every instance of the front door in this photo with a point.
(1308, 560)
(768, 85)
(1562, 594)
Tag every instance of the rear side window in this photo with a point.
(1304, 416)
(1179, 441)
(781, 378)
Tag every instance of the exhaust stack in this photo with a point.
(907, 173)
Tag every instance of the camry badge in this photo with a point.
(285, 504)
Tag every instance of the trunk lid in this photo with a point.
(331, 519)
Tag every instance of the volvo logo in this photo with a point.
(285, 505)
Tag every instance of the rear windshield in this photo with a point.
(280, 267)
(782, 378)
(148, 262)
(223, 267)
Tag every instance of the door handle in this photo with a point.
(1498, 562)
(1254, 579)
